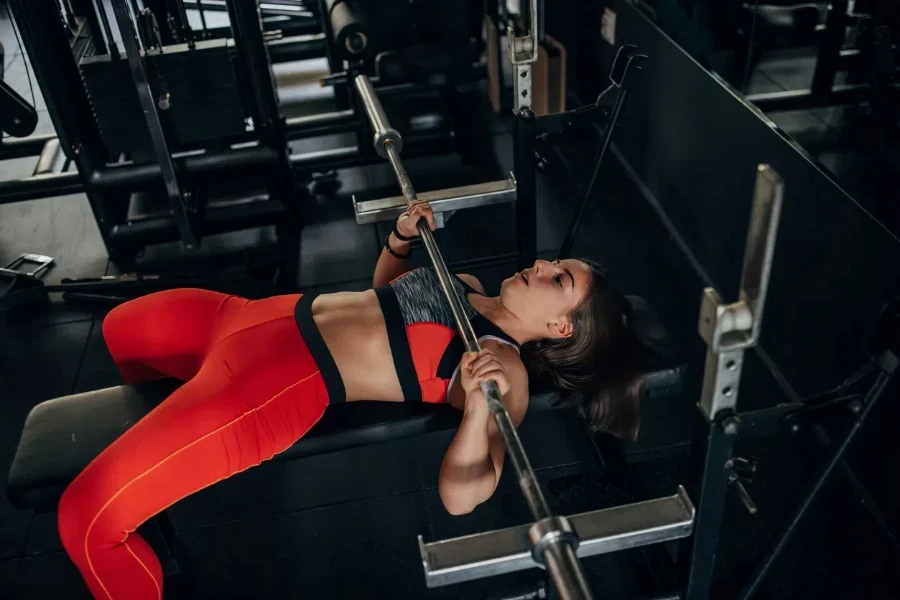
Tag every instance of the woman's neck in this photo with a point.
(493, 310)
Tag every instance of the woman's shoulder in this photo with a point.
(472, 282)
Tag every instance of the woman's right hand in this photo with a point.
(408, 221)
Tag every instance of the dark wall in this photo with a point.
(695, 144)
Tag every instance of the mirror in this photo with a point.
(825, 72)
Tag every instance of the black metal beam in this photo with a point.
(267, 120)
(341, 121)
(848, 94)
(177, 200)
(45, 41)
(137, 177)
(291, 49)
(572, 231)
(39, 186)
(252, 213)
(830, 47)
(21, 147)
(343, 158)
(267, 8)
(526, 188)
(762, 570)
(708, 484)
(251, 50)
(287, 27)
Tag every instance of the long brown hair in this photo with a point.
(601, 364)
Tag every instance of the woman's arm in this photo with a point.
(389, 266)
(473, 462)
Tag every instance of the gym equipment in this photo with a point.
(17, 117)
(177, 134)
(831, 56)
(520, 187)
(552, 541)
(624, 77)
(555, 547)
(132, 119)
(729, 330)
(61, 436)
(418, 39)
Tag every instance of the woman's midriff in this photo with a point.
(352, 326)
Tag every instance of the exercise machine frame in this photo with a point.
(831, 55)
(109, 185)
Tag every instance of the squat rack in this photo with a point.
(694, 514)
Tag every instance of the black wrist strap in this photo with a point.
(387, 245)
(400, 236)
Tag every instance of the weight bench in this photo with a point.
(61, 436)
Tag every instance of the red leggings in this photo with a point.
(252, 390)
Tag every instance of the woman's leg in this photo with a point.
(166, 333)
(257, 393)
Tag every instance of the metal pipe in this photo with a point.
(104, 19)
(382, 128)
(39, 186)
(89, 13)
(343, 158)
(202, 19)
(566, 571)
(233, 216)
(20, 147)
(177, 200)
(566, 248)
(830, 47)
(762, 570)
(136, 177)
(326, 122)
(51, 160)
(323, 131)
(136, 15)
(559, 554)
(287, 28)
(293, 49)
(265, 8)
(526, 193)
(334, 158)
(70, 16)
(186, 30)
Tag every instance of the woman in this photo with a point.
(260, 374)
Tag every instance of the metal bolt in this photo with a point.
(730, 426)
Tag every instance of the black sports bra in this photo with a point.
(425, 345)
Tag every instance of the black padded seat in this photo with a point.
(61, 436)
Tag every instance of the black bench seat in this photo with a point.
(61, 436)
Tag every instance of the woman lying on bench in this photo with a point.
(260, 374)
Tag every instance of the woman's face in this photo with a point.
(547, 293)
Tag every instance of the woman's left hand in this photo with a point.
(480, 367)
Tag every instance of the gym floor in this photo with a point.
(344, 525)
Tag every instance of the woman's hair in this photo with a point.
(601, 364)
